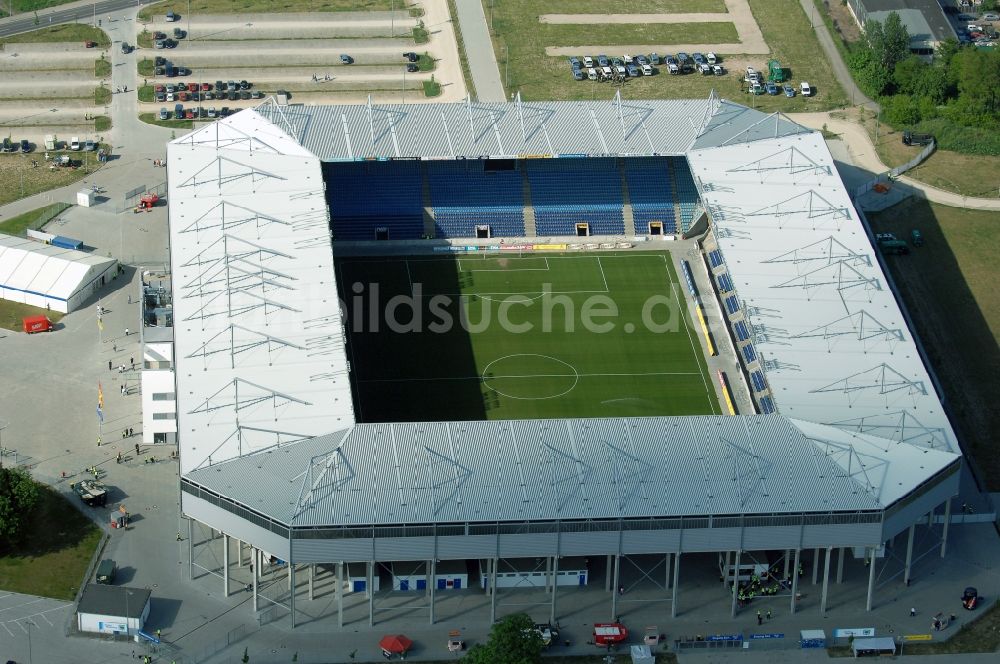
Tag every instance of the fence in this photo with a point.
(897, 171)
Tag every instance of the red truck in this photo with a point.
(34, 324)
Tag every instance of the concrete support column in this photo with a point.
(370, 589)
(493, 589)
(340, 594)
(840, 565)
(312, 581)
(736, 584)
(666, 570)
(947, 522)
(225, 565)
(254, 563)
(555, 585)
(191, 549)
(428, 578)
(677, 579)
(433, 586)
(725, 568)
(930, 517)
(608, 573)
(795, 579)
(548, 573)
(826, 579)
(614, 592)
(871, 579)
(909, 554)
(788, 556)
(291, 594)
(239, 553)
(815, 566)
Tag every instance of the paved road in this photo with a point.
(840, 69)
(479, 51)
(65, 14)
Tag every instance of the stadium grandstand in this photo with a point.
(846, 448)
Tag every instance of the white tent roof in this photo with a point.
(41, 269)
(259, 341)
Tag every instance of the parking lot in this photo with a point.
(48, 88)
(302, 54)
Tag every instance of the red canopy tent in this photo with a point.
(395, 643)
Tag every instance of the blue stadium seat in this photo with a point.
(363, 197)
(732, 304)
(749, 353)
(687, 193)
(742, 332)
(464, 195)
(757, 378)
(650, 193)
(715, 258)
(766, 405)
(565, 192)
(725, 283)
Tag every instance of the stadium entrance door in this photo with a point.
(582, 230)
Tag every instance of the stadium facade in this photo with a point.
(849, 446)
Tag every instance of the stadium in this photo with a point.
(775, 411)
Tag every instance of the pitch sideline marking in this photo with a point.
(581, 375)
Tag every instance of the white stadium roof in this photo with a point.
(261, 365)
(30, 269)
(259, 344)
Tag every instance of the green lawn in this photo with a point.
(519, 35)
(544, 335)
(158, 10)
(56, 553)
(19, 178)
(102, 68)
(949, 286)
(153, 118)
(34, 219)
(70, 32)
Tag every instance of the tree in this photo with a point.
(895, 41)
(18, 495)
(513, 640)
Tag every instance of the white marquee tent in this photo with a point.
(46, 276)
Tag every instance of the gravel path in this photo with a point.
(751, 40)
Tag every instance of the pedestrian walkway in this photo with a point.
(479, 51)
(863, 154)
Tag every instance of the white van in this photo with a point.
(805, 89)
(74, 143)
(588, 61)
(591, 74)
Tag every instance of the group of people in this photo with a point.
(766, 584)
(128, 432)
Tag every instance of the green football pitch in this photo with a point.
(511, 337)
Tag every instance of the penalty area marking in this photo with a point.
(502, 269)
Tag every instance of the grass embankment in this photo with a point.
(153, 119)
(966, 174)
(949, 286)
(57, 550)
(69, 32)
(521, 38)
(102, 68)
(34, 219)
(18, 178)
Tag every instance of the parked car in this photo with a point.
(244, 85)
(189, 114)
(159, 60)
(578, 75)
(789, 90)
(183, 71)
(654, 59)
(411, 68)
(25, 146)
(413, 57)
(647, 70)
(169, 43)
(160, 97)
(171, 16)
(169, 97)
(89, 146)
(159, 35)
(89, 44)
(164, 113)
(684, 59)
(991, 17)
(346, 59)
(159, 43)
(192, 87)
(711, 58)
(771, 87)
(257, 94)
(591, 73)
(74, 143)
(603, 61)
(588, 61)
(244, 94)
(633, 71)
(224, 111)
(620, 69)
(805, 89)
(699, 59)
(179, 111)
(705, 69)
(208, 95)
(211, 112)
(126, 49)
(230, 85)
(179, 34)
(641, 60)
(718, 70)
(574, 62)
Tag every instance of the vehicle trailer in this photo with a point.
(913, 138)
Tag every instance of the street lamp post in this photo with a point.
(29, 625)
